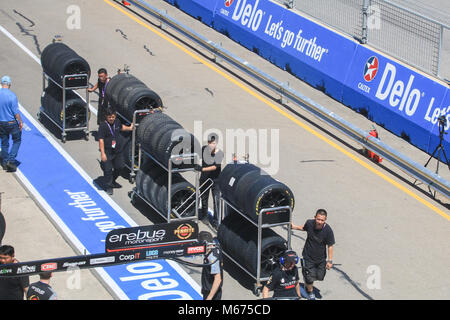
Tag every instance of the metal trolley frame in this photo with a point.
(63, 128)
(260, 226)
(170, 170)
(134, 167)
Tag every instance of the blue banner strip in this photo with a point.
(392, 95)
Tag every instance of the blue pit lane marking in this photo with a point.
(88, 214)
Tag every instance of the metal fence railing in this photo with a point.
(418, 171)
(415, 38)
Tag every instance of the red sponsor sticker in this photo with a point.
(198, 249)
(49, 266)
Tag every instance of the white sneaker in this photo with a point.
(311, 296)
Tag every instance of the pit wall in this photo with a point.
(392, 95)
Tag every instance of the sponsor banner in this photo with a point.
(151, 236)
(397, 98)
(88, 215)
(102, 259)
(388, 93)
(305, 49)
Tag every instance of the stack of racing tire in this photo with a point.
(163, 138)
(75, 107)
(239, 239)
(152, 184)
(254, 193)
(126, 94)
(59, 61)
(251, 190)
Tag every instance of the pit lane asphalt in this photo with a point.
(379, 229)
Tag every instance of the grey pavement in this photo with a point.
(389, 233)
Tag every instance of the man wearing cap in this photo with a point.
(284, 280)
(10, 125)
(212, 272)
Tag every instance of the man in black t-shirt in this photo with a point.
(101, 84)
(111, 149)
(319, 240)
(284, 280)
(41, 290)
(11, 288)
(210, 169)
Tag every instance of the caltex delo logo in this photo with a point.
(371, 69)
(228, 3)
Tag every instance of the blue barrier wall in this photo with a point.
(202, 10)
(395, 97)
(313, 53)
(388, 93)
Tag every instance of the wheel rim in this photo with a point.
(269, 258)
(75, 117)
(274, 199)
(144, 103)
(177, 200)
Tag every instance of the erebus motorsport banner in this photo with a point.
(163, 251)
(397, 98)
(151, 236)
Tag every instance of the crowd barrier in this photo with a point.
(392, 95)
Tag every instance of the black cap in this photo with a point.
(212, 137)
(290, 257)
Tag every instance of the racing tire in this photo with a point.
(2, 227)
(58, 60)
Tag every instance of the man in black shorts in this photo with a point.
(284, 280)
(319, 240)
(11, 288)
(41, 290)
(111, 149)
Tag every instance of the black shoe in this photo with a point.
(4, 166)
(109, 191)
(116, 185)
(11, 166)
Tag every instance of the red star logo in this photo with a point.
(371, 69)
(228, 3)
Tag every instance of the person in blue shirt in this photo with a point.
(10, 125)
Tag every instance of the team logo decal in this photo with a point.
(228, 3)
(184, 231)
(371, 69)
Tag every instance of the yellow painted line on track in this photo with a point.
(281, 111)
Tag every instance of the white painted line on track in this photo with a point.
(69, 234)
(35, 58)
